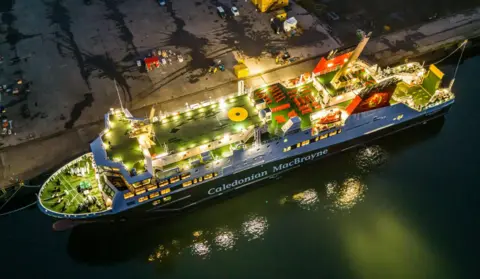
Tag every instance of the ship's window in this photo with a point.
(107, 190)
(287, 149)
(153, 195)
(285, 140)
(166, 199)
(200, 179)
(174, 179)
(136, 185)
(165, 191)
(317, 138)
(299, 144)
(215, 174)
(324, 136)
(163, 183)
(333, 133)
(151, 187)
(139, 191)
(115, 169)
(185, 176)
(195, 181)
(156, 202)
(305, 142)
(339, 131)
(146, 181)
(142, 199)
(186, 184)
(130, 203)
(208, 176)
(127, 195)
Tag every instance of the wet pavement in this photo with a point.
(72, 48)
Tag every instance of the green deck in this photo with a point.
(120, 147)
(417, 94)
(200, 126)
(68, 198)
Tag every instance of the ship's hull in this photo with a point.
(229, 185)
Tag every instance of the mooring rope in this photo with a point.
(18, 209)
(13, 195)
(459, 60)
(460, 46)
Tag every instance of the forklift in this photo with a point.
(217, 65)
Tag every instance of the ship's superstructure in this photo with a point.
(172, 161)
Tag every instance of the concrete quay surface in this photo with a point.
(30, 158)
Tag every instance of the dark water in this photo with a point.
(405, 207)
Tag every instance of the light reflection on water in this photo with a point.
(307, 199)
(370, 157)
(201, 248)
(160, 254)
(254, 227)
(346, 195)
(204, 243)
(225, 239)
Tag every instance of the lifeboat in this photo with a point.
(332, 116)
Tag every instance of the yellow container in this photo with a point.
(281, 15)
(241, 71)
(266, 5)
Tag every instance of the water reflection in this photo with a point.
(370, 157)
(201, 248)
(203, 243)
(307, 199)
(346, 195)
(225, 239)
(254, 227)
(159, 254)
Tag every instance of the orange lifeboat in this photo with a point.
(332, 116)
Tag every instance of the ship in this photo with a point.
(173, 161)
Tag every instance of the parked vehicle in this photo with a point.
(221, 12)
(139, 63)
(180, 58)
(162, 2)
(235, 11)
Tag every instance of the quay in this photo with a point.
(29, 159)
